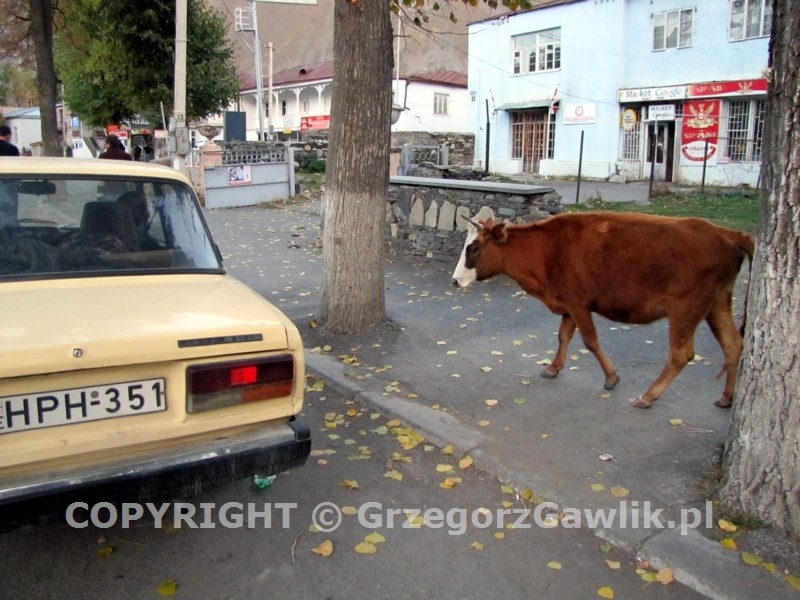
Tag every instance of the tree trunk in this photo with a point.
(357, 172)
(41, 13)
(762, 455)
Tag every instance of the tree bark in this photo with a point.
(357, 172)
(41, 13)
(762, 455)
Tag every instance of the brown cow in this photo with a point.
(630, 268)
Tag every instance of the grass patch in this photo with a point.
(739, 210)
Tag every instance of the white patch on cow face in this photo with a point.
(462, 276)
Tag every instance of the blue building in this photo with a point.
(622, 88)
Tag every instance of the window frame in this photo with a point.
(440, 102)
(749, 6)
(541, 55)
(677, 26)
(745, 142)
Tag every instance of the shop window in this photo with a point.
(745, 130)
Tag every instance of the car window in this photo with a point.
(79, 226)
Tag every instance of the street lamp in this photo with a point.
(396, 111)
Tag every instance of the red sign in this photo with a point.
(323, 122)
(700, 124)
(716, 89)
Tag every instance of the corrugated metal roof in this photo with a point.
(453, 78)
(23, 113)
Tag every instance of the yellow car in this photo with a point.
(132, 367)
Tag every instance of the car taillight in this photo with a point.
(213, 386)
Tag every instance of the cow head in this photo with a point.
(475, 262)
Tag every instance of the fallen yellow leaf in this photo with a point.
(726, 526)
(792, 580)
(598, 487)
(448, 449)
(769, 567)
(554, 564)
(676, 422)
(465, 462)
(619, 492)
(351, 412)
(664, 576)
(105, 552)
(506, 489)
(476, 545)
(526, 494)
(613, 564)
(500, 535)
(490, 402)
(349, 510)
(393, 423)
(366, 548)
(648, 577)
(450, 482)
(350, 484)
(324, 549)
(394, 474)
(484, 423)
(442, 468)
(374, 538)
(605, 592)
(750, 559)
(728, 543)
(168, 588)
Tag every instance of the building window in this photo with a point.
(440, 104)
(745, 130)
(749, 19)
(536, 52)
(673, 29)
(305, 106)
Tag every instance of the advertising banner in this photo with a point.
(700, 125)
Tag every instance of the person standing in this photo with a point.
(6, 147)
(115, 150)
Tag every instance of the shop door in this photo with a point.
(530, 140)
(660, 147)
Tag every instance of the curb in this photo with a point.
(696, 562)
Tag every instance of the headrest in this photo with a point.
(112, 219)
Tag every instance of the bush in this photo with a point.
(315, 165)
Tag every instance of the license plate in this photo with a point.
(78, 405)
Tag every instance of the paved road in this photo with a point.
(351, 443)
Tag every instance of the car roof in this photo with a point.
(53, 166)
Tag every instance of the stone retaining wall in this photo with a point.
(425, 216)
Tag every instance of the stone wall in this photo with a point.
(425, 216)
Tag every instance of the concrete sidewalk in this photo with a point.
(462, 368)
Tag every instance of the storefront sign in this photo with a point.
(661, 112)
(579, 114)
(728, 88)
(315, 123)
(629, 119)
(674, 92)
(700, 125)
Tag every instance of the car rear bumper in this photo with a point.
(171, 473)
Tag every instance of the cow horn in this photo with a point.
(476, 224)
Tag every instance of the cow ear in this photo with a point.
(499, 233)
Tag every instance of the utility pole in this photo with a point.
(259, 76)
(179, 132)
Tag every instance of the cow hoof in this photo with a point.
(611, 381)
(547, 374)
(640, 403)
(722, 403)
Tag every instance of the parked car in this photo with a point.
(132, 366)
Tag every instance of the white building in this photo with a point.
(634, 85)
(432, 102)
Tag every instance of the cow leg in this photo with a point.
(720, 320)
(565, 332)
(681, 351)
(585, 323)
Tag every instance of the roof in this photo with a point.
(295, 75)
(453, 78)
(537, 5)
(23, 113)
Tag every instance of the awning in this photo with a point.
(526, 104)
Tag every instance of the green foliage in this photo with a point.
(315, 165)
(738, 210)
(116, 60)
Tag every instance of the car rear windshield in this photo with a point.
(73, 227)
